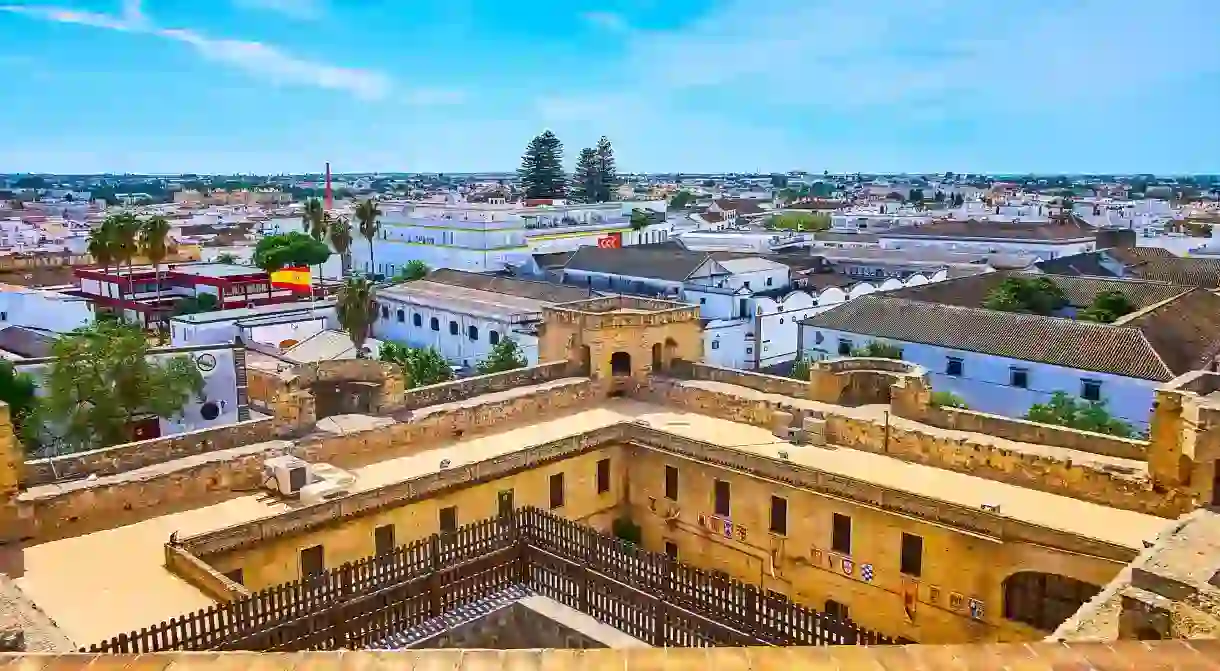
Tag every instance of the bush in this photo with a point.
(799, 221)
(1107, 306)
(1039, 296)
(878, 350)
(947, 399)
(627, 531)
(800, 369)
(1075, 413)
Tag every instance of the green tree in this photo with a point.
(779, 181)
(1107, 306)
(413, 270)
(879, 350)
(800, 369)
(226, 257)
(340, 234)
(947, 399)
(18, 390)
(102, 246)
(367, 214)
(1069, 411)
(681, 199)
(126, 232)
(607, 172)
(356, 310)
(316, 221)
(639, 220)
(1040, 296)
(197, 304)
(800, 221)
(915, 196)
(541, 169)
(154, 243)
(506, 355)
(293, 249)
(585, 180)
(102, 378)
(422, 366)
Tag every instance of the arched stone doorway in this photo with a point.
(620, 364)
(586, 361)
(1044, 600)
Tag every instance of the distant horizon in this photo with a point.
(698, 86)
(692, 174)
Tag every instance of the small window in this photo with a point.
(504, 503)
(1090, 390)
(453, 327)
(417, 320)
(671, 483)
(723, 504)
(472, 332)
(448, 517)
(715, 344)
(603, 476)
(671, 550)
(769, 281)
(236, 575)
(1019, 377)
(702, 301)
(953, 367)
(493, 337)
(844, 347)
(313, 562)
(746, 285)
(557, 491)
(911, 559)
(836, 610)
(402, 316)
(383, 539)
(840, 538)
(779, 515)
(385, 312)
(436, 324)
(749, 350)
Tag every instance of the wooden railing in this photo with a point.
(361, 605)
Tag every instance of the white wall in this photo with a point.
(459, 349)
(1047, 250)
(44, 310)
(986, 381)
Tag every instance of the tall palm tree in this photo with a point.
(367, 213)
(154, 243)
(316, 220)
(356, 309)
(340, 234)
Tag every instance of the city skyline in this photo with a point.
(281, 86)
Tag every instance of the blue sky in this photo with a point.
(693, 85)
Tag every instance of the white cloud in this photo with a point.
(305, 10)
(608, 21)
(255, 58)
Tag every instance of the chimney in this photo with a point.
(330, 197)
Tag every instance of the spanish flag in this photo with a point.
(296, 279)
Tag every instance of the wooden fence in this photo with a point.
(360, 605)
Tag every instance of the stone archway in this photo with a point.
(315, 391)
(620, 364)
(1044, 600)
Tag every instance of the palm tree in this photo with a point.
(154, 242)
(124, 232)
(367, 213)
(356, 309)
(341, 239)
(316, 220)
(101, 244)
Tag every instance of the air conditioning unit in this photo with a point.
(286, 475)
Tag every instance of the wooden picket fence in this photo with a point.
(363, 604)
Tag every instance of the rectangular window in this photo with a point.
(504, 503)
(1019, 377)
(779, 515)
(603, 476)
(715, 344)
(840, 538)
(671, 550)
(557, 491)
(953, 367)
(448, 518)
(722, 504)
(313, 562)
(383, 540)
(911, 562)
(671, 483)
(844, 347)
(236, 576)
(1090, 390)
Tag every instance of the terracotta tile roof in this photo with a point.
(667, 264)
(1175, 655)
(711, 217)
(540, 291)
(1159, 345)
(1149, 263)
(1080, 291)
(1071, 229)
(741, 206)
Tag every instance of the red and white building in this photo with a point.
(133, 294)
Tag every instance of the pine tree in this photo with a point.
(606, 171)
(586, 179)
(542, 167)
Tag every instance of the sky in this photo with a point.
(282, 86)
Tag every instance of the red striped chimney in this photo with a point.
(330, 196)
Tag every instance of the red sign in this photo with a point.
(612, 241)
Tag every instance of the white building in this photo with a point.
(43, 309)
(277, 326)
(1060, 237)
(464, 315)
(1004, 362)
